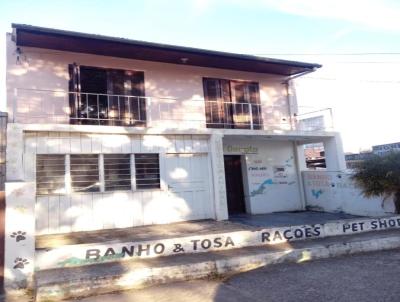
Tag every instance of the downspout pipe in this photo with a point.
(295, 147)
(289, 78)
(286, 83)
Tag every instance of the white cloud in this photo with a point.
(370, 13)
(202, 6)
(374, 14)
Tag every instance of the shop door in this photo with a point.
(234, 184)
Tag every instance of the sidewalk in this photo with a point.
(182, 229)
(366, 277)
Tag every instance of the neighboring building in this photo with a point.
(315, 156)
(354, 159)
(110, 133)
(386, 148)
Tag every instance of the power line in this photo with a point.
(328, 54)
(352, 80)
(368, 62)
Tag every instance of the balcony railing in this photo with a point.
(233, 115)
(107, 109)
(31, 106)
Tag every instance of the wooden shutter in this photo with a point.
(213, 117)
(138, 105)
(240, 107)
(132, 108)
(243, 94)
(115, 88)
(116, 96)
(254, 99)
(226, 100)
(217, 103)
(87, 106)
(74, 88)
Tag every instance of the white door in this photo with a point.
(188, 180)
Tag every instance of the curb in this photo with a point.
(252, 258)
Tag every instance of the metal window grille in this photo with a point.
(117, 172)
(50, 174)
(85, 173)
(147, 169)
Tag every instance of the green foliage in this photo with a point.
(380, 176)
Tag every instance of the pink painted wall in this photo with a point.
(43, 69)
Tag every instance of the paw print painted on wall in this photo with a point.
(19, 236)
(20, 263)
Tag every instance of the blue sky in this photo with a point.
(291, 29)
(234, 25)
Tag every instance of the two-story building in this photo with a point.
(110, 133)
(117, 133)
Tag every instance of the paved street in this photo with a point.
(365, 277)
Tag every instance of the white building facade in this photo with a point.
(110, 133)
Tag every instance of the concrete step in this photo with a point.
(74, 282)
(206, 237)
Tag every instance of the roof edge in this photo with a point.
(46, 30)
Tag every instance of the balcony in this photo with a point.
(33, 106)
(107, 109)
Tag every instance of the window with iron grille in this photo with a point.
(50, 174)
(85, 173)
(103, 96)
(117, 172)
(147, 168)
(232, 104)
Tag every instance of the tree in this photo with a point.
(380, 176)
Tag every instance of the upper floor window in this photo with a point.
(100, 96)
(232, 104)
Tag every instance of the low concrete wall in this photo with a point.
(329, 191)
(97, 253)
